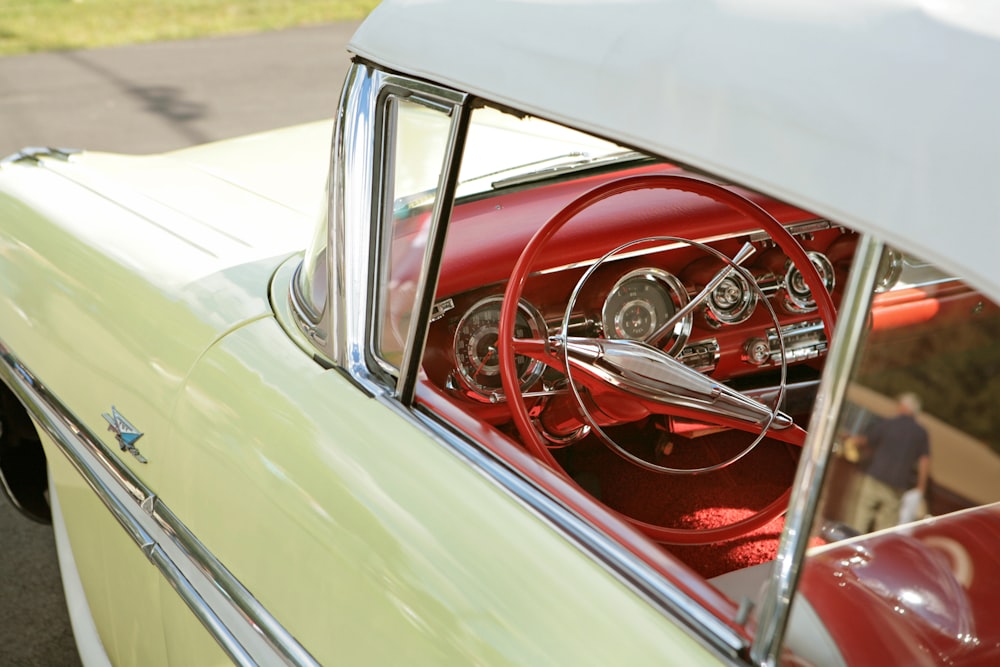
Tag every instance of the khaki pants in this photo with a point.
(878, 503)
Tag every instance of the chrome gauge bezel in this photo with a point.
(669, 287)
(890, 269)
(732, 302)
(484, 319)
(798, 296)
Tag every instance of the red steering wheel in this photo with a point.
(509, 346)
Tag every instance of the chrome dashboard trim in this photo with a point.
(797, 296)
(739, 305)
(674, 291)
(701, 355)
(247, 633)
(804, 227)
(753, 235)
(802, 340)
(466, 376)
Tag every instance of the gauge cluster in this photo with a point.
(641, 305)
(475, 346)
(730, 332)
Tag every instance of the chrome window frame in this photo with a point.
(452, 104)
(355, 224)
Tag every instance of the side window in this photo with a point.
(919, 436)
(415, 142)
(903, 545)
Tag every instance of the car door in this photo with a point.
(346, 523)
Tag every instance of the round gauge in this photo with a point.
(890, 267)
(476, 355)
(798, 296)
(733, 301)
(641, 302)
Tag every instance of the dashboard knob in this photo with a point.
(756, 351)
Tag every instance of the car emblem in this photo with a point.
(125, 433)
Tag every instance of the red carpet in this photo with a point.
(695, 501)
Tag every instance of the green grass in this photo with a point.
(28, 26)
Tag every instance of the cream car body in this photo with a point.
(291, 499)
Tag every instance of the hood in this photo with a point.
(118, 272)
(177, 217)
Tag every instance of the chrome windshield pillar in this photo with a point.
(359, 226)
(351, 207)
(808, 485)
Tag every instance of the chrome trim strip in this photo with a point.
(751, 235)
(349, 218)
(239, 623)
(808, 484)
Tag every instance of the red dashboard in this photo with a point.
(732, 336)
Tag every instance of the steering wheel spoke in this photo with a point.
(792, 433)
(537, 349)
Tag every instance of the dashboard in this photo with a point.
(651, 267)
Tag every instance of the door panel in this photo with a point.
(372, 542)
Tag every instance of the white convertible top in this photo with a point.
(882, 114)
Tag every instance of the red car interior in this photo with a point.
(636, 503)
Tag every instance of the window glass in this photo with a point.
(415, 146)
(312, 278)
(922, 395)
(504, 150)
(900, 545)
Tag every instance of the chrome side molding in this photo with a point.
(236, 620)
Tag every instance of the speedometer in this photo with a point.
(798, 296)
(641, 302)
(476, 350)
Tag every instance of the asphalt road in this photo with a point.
(141, 99)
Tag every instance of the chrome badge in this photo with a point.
(125, 433)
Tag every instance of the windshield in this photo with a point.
(506, 150)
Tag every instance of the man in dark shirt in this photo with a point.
(897, 445)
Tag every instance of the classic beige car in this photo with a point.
(581, 347)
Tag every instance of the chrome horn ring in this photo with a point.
(562, 343)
